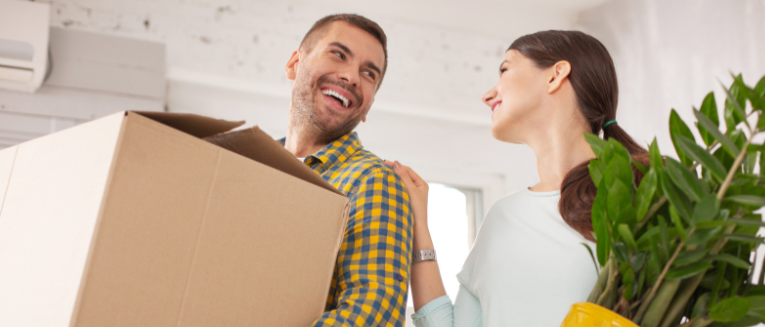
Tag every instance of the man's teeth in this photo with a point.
(337, 96)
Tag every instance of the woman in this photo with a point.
(528, 266)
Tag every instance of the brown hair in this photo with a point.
(593, 78)
(317, 32)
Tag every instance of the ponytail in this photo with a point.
(577, 193)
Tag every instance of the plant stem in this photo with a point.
(681, 299)
(613, 273)
(655, 286)
(734, 169)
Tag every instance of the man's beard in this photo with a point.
(307, 118)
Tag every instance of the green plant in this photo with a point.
(675, 245)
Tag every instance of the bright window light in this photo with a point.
(448, 222)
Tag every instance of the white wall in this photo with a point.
(671, 53)
(226, 59)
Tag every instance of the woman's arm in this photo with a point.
(426, 277)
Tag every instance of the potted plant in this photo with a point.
(675, 244)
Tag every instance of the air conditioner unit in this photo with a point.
(24, 33)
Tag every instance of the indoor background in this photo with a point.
(226, 58)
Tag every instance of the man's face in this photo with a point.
(334, 83)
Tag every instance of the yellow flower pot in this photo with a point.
(585, 314)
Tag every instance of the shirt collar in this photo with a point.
(334, 153)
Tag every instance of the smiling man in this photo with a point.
(335, 74)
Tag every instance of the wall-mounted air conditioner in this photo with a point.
(24, 32)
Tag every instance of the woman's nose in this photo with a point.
(488, 96)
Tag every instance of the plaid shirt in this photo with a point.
(369, 285)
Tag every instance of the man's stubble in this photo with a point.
(307, 119)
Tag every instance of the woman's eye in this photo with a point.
(502, 70)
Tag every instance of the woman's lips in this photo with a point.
(494, 105)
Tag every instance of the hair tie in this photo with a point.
(609, 123)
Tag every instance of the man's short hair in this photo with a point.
(317, 32)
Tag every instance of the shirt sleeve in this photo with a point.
(466, 312)
(372, 271)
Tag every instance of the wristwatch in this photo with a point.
(424, 255)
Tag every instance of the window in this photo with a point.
(453, 215)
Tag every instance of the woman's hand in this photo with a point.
(418, 192)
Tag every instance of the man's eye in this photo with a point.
(370, 74)
(339, 54)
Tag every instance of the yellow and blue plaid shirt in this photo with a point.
(369, 285)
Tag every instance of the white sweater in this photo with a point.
(527, 267)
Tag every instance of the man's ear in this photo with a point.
(558, 73)
(292, 65)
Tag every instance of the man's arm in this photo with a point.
(372, 273)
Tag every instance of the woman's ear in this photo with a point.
(292, 65)
(558, 73)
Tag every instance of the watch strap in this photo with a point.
(424, 255)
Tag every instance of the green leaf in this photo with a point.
(643, 169)
(678, 223)
(646, 237)
(704, 158)
(700, 308)
(592, 255)
(688, 271)
(675, 199)
(749, 200)
(762, 153)
(726, 143)
(756, 307)
(735, 261)
(619, 199)
(657, 162)
(665, 237)
(706, 209)
(596, 168)
(709, 109)
(713, 224)
(703, 236)
(759, 89)
(678, 128)
(626, 234)
(730, 309)
(686, 180)
(600, 224)
(645, 192)
(596, 143)
(628, 279)
(710, 279)
(619, 169)
(746, 238)
(747, 222)
(688, 257)
(734, 102)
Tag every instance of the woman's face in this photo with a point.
(520, 90)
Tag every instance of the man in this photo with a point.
(335, 74)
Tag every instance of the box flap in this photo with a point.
(195, 125)
(255, 144)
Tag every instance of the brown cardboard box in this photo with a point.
(133, 220)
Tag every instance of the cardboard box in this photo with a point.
(133, 220)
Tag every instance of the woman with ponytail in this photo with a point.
(527, 265)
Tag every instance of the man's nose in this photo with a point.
(349, 77)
